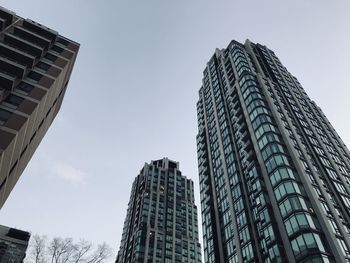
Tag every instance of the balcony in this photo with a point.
(6, 17)
(24, 45)
(40, 30)
(7, 81)
(2, 24)
(16, 55)
(32, 37)
(2, 94)
(12, 67)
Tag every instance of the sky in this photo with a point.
(133, 92)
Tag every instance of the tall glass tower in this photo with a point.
(274, 174)
(161, 222)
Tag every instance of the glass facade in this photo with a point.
(274, 174)
(161, 223)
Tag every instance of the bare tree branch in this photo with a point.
(102, 253)
(37, 248)
(61, 250)
(81, 250)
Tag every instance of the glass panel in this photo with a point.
(309, 240)
(294, 223)
(4, 115)
(301, 243)
(302, 220)
(289, 187)
(14, 100)
(295, 247)
(319, 242)
(27, 88)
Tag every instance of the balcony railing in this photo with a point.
(6, 16)
(7, 81)
(40, 29)
(24, 45)
(17, 54)
(12, 67)
(32, 37)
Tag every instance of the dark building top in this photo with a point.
(161, 222)
(13, 244)
(166, 164)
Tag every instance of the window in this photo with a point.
(280, 174)
(260, 120)
(244, 235)
(57, 49)
(254, 105)
(275, 161)
(247, 252)
(269, 234)
(285, 188)
(14, 100)
(263, 129)
(241, 219)
(274, 253)
(25, 87)
(35, 76)
(271, 149)
(264, 216)
(267, 138)
(43, 66)
(296, 222)
(50, 57)
(230, 247)
(305, 242)
(343, 247)
(249, 91)
(4, 116)
(258, 111)
(63, 41)
(252, 97)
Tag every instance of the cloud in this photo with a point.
(69, 173)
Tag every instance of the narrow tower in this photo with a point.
(35, 66)
(274, 174)
(161, 221)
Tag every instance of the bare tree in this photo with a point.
(37, 247)
(102, 252)
(60, 249)
(65, 250)
(81, 250)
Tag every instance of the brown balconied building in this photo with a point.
(35, 66)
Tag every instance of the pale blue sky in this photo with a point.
(133, 93)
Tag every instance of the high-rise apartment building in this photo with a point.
(161, 222)
(35, 66)
(274, 174)
(13, 244)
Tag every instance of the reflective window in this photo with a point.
(25, 87)
(14, 100)
(4, 116)
(280, 174)
(306, 242)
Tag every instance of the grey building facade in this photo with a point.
(35, 66)
(161, 222)
(13, 244)
(274, 174)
